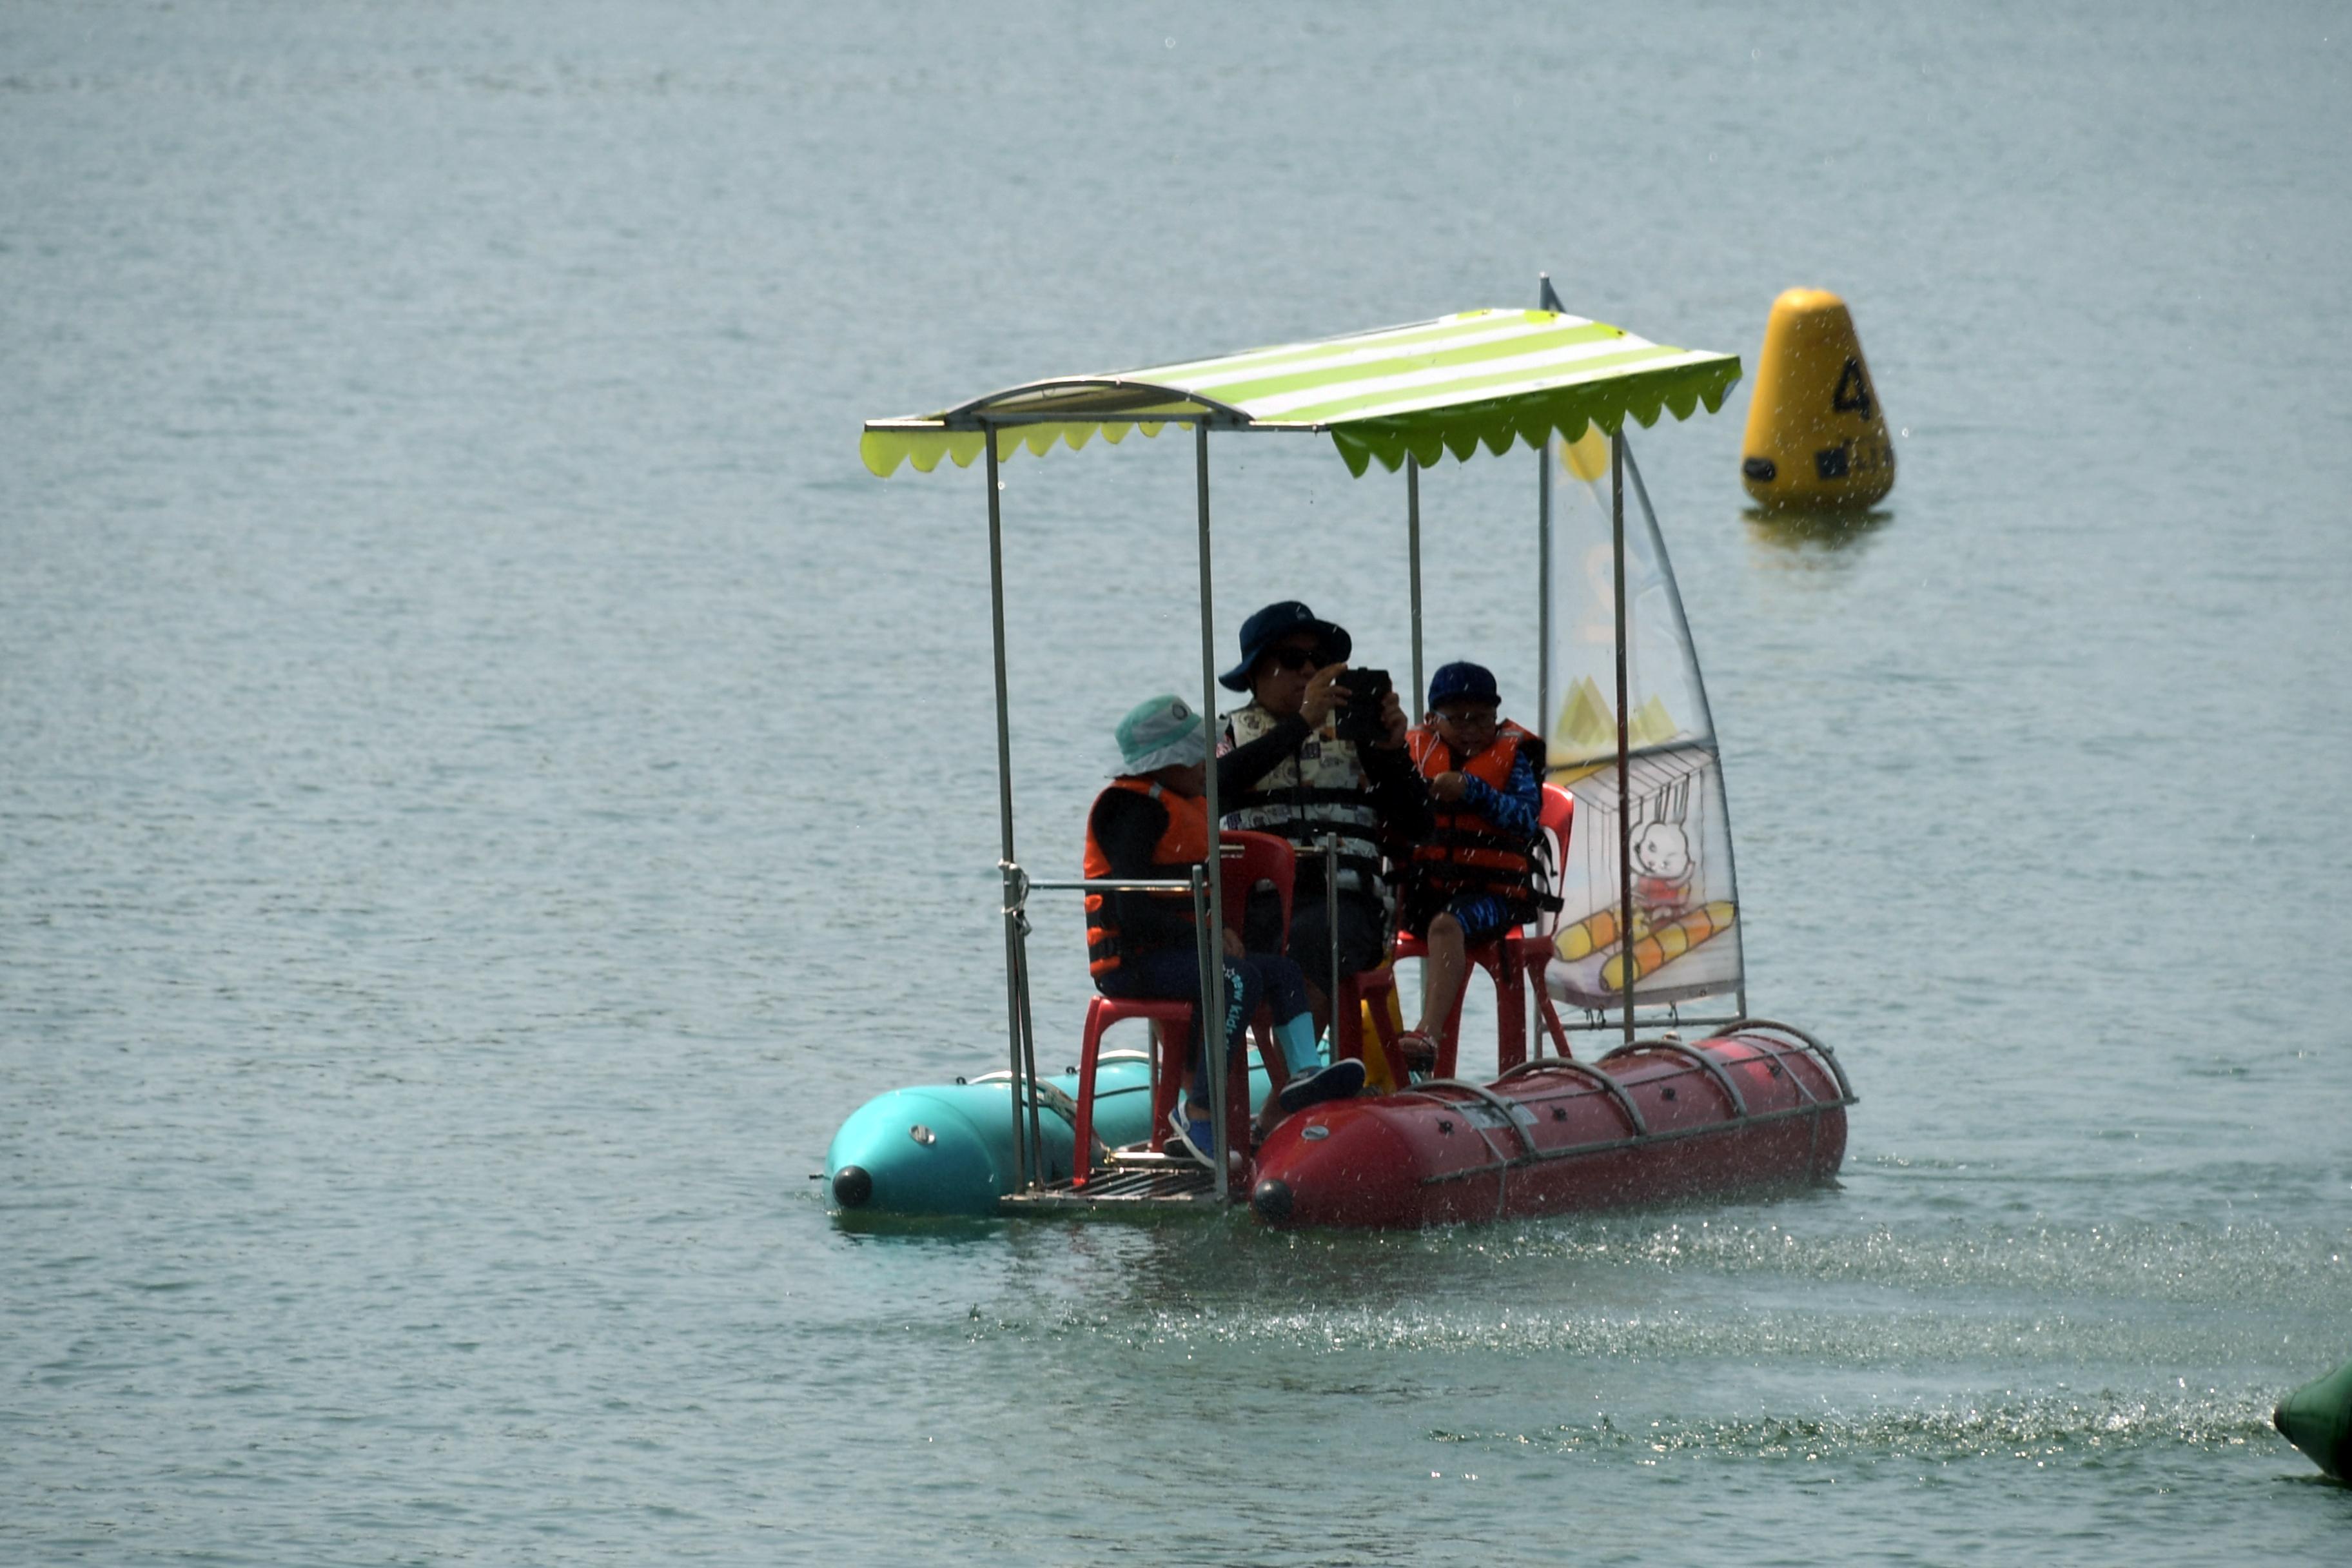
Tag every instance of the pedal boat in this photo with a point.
(1649, 916)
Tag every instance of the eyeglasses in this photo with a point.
(1469, 715)
(1292, 657)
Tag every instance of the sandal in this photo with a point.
(1419, 1051)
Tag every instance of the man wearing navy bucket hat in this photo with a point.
(1319, 750)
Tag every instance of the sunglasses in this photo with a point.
(1292, 657)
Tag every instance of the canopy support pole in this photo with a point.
(1624, 749)
(1213, 938)
(1543, 684)
(1543, 595)
(1545, 299)
(1015, 975)
(1413, 545)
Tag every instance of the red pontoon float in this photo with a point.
(1759, 1108)
(1640, 849)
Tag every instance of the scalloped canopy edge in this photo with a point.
(1481, 378)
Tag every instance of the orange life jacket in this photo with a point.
(1465, 853)
(1184, 842)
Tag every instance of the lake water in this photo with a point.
(488, 782)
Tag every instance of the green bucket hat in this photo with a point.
(1162, 732)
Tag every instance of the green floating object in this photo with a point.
(2318, 1419)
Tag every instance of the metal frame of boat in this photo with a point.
(1401, 395)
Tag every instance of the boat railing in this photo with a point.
(1819, 1048)
(1029, 1165)
(1670, 1046)
(1806, 1045)
(1114, 885)
(1326, 849)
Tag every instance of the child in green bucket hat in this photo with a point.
(1151, 824)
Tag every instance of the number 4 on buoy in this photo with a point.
(1816, 435)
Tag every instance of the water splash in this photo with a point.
(2042, 1430)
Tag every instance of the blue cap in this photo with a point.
(1278, 621)
(1463, 678)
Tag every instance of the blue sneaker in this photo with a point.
(1190, 1139)
(1340, 1080)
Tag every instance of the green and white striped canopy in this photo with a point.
(1481, 377)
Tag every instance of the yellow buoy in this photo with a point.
(1816, 437)
(1587, 456)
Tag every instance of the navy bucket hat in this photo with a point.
(1277, 622)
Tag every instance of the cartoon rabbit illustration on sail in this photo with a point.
(1662, 857)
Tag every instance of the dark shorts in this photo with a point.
(1482, 916)
(1363, 934)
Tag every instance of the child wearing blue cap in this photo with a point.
(1473, 878)
(1151, 824)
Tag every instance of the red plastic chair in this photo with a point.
(1250, 858)
(1517, 959)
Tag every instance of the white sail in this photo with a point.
(1684, 936)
